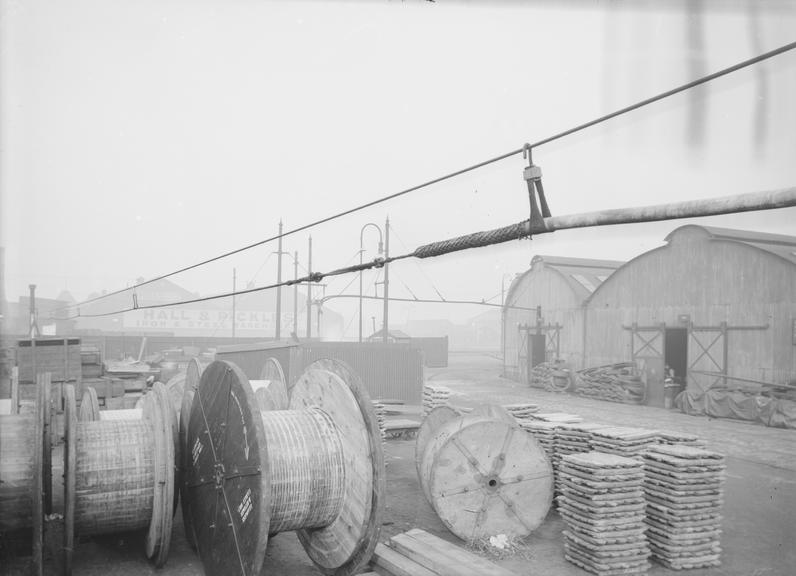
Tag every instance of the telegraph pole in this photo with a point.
(295, 293)
(278, 332)
(386, 278)
(234, 288)
(309, 291)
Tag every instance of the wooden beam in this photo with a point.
(391, 562)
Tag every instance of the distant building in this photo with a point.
(255, 314)
(710, 302)
(543, 313)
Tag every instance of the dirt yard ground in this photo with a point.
(760, 495)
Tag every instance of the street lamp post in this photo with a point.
(361, 251)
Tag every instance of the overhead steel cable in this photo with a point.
(547, 140)
(771, 200)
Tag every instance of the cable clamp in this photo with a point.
(315, 276)
(378, 262)
(533, 177)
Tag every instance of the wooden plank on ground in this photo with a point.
(430, 557)
(392, 562)
(461, 555)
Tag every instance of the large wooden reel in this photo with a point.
(119, 475)
(483, 474)
(25, 470)
(317, 468)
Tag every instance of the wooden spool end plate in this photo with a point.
(40, 446)
(193, 375)
(433, 421)
(159, 411)
(70, 474)
(89, 406)
(346, 546)
(274, 396)
(485, 476)
(226, 480)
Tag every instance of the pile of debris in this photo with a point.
(614, 382)
(602, 504)
(683, 489)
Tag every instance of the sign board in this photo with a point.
(192, 319)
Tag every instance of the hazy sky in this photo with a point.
(139, 137)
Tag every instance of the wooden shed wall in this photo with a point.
(713, 281)
(545, 287)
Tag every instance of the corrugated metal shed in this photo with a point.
(559, 286)
(729, 295)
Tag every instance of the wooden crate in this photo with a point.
(58, 356)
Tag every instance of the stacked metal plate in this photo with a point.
(544, 432)
(521, 411)
(671, 438)
(622, 441)
(434, 396)
(683, 489)
(560, 417)
(575, 438)
(602, 504)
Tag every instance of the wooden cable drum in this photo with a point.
(26, 470)
(119, 475)
(90, 410)
(176, 387)
(316, 468)
(270, 392)
(483, 474)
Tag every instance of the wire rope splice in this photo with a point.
(533, 177)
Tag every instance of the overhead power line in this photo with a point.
(547, 140)
(784, 198)
(429, 301)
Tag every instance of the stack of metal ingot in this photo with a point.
(623, 441)
(522, 411)
(434, 396)
(602, 503)
(681, 438)
(683, 489)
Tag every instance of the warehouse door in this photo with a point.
(648, 350)
(536, 345)
(553, 341)
(707, 352)
(676, 348)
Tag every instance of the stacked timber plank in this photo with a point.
(418, 553)
(683, 489)
(614, 382)
(623, 441)
(602, 504)
(434, 396)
